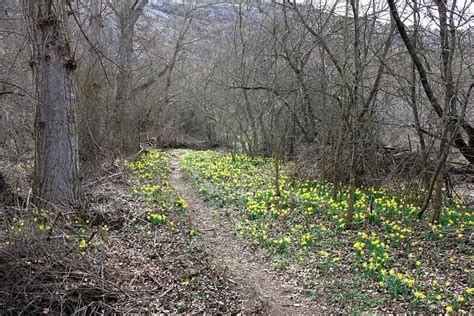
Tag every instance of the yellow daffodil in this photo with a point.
(359, 246)
(409, 282)
(83, 244)
(324, 254)
(420, 295)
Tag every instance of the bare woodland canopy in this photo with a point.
(365, 91)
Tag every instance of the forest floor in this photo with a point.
(388, 262)
(201, 232)
(113, 255)
(250, 268)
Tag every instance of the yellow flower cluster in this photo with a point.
(375, 256)
(306, 239)
(156, 218)
(420, 295)
(324, 254)
(152, 170)
(181, 203)
(148, 190)
(83, 244)
(256, 208)
(150, 165)
(396, 233)
(359, 246)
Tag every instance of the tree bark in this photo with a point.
(122, 95)
(123, 139)
(92, 114)
(56, 169)
(414, 103)
(354, 106)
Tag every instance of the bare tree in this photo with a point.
(448, 46)
(128, 13)
(94, 104)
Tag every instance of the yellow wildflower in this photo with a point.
(420, 295)
(409, 282)
(324, 254)
(83, 244)
(359, 246)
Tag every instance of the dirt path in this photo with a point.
(248, 269)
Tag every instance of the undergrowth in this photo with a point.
(152, 181)
(428, 267)
(131, 249)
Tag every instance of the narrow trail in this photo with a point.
(252, 272)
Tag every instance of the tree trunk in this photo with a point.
(414, 102)
(92, 113)
(56, 167)
(122, 96)
(352, 183)
(125, 139)
(355, 116)
(337, 164)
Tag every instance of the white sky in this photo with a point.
(427, 8)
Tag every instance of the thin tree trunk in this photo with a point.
(414, 102)
(447, 47)
(122, 95)
(355, 116)
(352, 182)
(125, 138)
(92, 114)
(277, 176)
(337, 164)
(435, 180)
(169, 72)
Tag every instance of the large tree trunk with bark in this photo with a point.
(56, 159)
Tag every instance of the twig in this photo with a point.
(166, 292)
(101, 179)
(28, 199)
